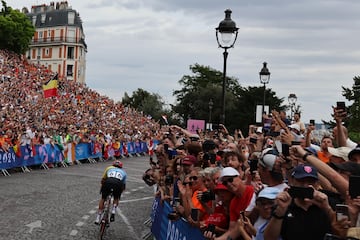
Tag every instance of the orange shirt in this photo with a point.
(323, 157)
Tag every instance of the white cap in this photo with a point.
(341, 152)
(229, 171)
(295, 126)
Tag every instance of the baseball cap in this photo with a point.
(341, 152)
(229, 172)
(294, 126)
(268, 158)
(220, 186)
(303, 171)
(354, 151)
(189, 160)
(352, 167)
(268, 192)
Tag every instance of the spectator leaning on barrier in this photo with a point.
(230, 177)
(264, 204)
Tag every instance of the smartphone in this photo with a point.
(301, 192)
(342, 211)
(354, 186)
(285, 149)
(295, 143)
(340, 105)
(195, 214)
(253, 163)
(253, 140)
(242, 214)
(211, 228)
(312, 122)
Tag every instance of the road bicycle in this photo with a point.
(105, 218)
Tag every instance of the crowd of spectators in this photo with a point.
(275, 183)
(77, 114)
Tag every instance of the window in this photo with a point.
(71, 17)
(43, 17)
(70, 53)
(34, 20)
(69, 70)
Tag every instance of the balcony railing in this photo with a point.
(54, 40)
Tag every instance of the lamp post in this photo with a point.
(211, 104)
(264, 75)
(292, 100)
(228, 33)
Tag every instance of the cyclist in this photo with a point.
(114, 177)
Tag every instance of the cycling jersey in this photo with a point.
(115, 172)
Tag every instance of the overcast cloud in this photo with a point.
(312, 47)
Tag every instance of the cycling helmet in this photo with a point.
(117, 163)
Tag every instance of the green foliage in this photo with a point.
(353, 95)
(205, 83)
(16, 30)
(141, 100)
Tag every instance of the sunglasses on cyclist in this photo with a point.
(228, 180)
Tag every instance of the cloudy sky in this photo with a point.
(312, 47)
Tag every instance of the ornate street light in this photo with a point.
(264, 75)
(292, 100)
(228, 34)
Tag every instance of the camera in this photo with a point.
(173, 216)
(169, 179)
(207, 196)
(210, 156)
(301, 192)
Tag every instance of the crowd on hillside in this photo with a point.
(274, 182)
(77, 111)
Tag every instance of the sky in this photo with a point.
(311, 47)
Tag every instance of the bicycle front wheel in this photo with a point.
(102, 230)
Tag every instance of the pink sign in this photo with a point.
(194, 124)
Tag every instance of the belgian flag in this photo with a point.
(50, 88)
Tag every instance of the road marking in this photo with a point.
(36, 224)
(79, 224)
(93, 211)
(127, 223)
(73, 232)
(85, 217)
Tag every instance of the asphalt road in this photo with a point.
(61, 203)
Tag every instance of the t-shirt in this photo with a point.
(239, 203)
(299, 224)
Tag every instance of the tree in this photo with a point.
(192, 100)
(16, 30)
(353, 122)
(149, 103)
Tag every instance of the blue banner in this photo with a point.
(165, 229)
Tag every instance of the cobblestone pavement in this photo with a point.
(61, 203)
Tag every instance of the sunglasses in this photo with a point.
(229, 180)
(193, 178)
(186, 183)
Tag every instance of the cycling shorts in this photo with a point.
(112, 183)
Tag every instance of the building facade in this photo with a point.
(59, 40)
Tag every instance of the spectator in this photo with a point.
(298, 218)
(243, 195)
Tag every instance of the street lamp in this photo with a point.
(264, 75)
(292, 100)
(211, 104)
(228, 34)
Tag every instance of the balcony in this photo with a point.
(57, 41)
